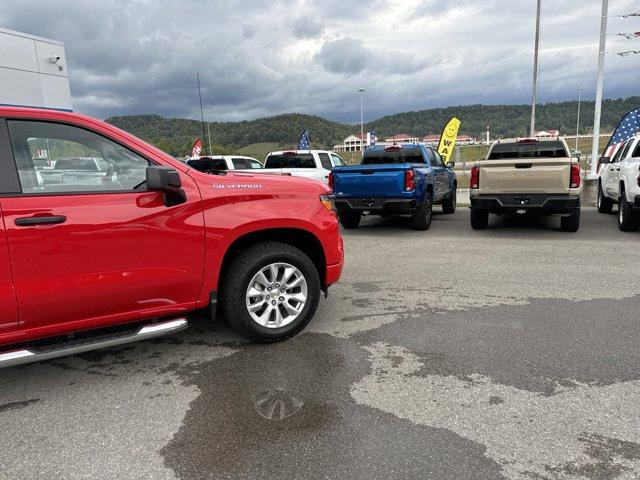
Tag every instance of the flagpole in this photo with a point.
(362, 90)
(595, 152)
(536, 54)
(204, 135)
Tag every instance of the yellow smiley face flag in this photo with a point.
(448, 139)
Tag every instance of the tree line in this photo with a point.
(176, 135)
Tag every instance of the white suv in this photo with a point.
(315, 164)
(620, 183)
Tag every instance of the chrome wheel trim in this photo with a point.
(276, 295)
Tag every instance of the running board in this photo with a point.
(73, 347)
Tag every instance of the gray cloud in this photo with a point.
(259, 57)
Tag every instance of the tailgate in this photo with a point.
(540, 175)
(370, 180)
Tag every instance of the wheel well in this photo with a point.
(621, 186)
(430, 189)
(301, 239)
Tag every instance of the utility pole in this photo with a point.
(578, 121)
(204, 135)
(362, 90)
(209, 135)
(595, 152)
(536, 54)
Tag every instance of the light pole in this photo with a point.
(536, 53)
(578, 121)
(595, 152)
(362, 90)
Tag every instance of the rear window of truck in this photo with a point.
(381, 157)
(528, 150)
(299, 160)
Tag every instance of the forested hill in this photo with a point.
(176, 135)
(505, 120)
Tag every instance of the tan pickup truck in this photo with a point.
(527, 175)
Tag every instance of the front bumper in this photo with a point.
(532, 202)
(377, 205)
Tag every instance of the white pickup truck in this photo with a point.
(217, 163)
(315, 164)
(620, 183)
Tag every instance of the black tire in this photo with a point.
(479, 218)
(571, 223)
(449, 205)
(422, 218)
(605, 204)
(236, 282)
(348, 219)
(627, 217)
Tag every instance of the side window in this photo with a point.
(625, 150)
(618, 155)
(239, 163)
(53, 157)
(325, 161)
(438, 159)
(430, 157)
(337, 161)
(636, 152)
(253, 163)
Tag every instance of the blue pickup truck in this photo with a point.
(392, 180)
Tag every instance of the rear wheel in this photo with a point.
(479, 219)
(422, 218)
(571, 223)
(605, 204)
(449, 205)
(348, 219)
(627, 218)
(271, 292)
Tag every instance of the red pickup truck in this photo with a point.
(105, 240)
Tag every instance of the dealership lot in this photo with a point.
(511, 352)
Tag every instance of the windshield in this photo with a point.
(528, 150)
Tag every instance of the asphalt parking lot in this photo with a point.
(506, 353)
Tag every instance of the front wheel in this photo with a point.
(270, 292)
(422, 218)
(605, 204)
(627, 218)
(449, 205)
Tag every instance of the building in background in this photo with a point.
(33, 72)
(547, 133)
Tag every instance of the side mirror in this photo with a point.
(605, 160)
(451, 164)
(166, 180)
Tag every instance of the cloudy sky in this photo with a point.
(264, 57)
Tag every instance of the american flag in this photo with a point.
(197, 148)
(304, 142)
(629, 126)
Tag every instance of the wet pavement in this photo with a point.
(507, 353)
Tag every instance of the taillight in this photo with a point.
(331, 180)
(576, 176)
(475, 178)
(409, 181)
